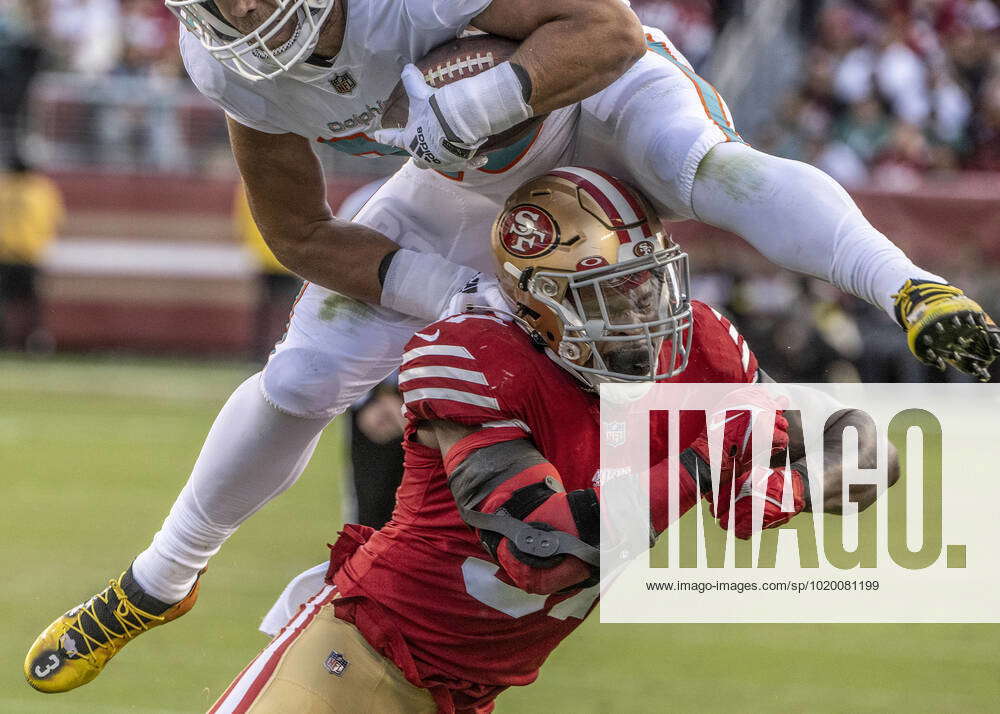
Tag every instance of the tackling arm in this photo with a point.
(741, 481)
(863, 495)
(738, 417)
(544, 538)
(832, 477)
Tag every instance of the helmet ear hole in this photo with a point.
(548, 287)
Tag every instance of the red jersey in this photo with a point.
(423, 590)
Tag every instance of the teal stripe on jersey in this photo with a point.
(361, 145)
(502, 159)
(708, 94)
(499, 161)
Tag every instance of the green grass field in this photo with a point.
(92, 453)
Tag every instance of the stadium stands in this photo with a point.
(898, 99)
(894, 91)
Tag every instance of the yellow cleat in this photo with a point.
(944, 327)
(75, 648)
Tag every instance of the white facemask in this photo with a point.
(249, 55)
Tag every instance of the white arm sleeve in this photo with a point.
(422, 284)
(801, 219)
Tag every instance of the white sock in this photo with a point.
(253, 452)
(801, 219)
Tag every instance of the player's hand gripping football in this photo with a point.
(429, 136)
(943, 327)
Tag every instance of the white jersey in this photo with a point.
(380, 38)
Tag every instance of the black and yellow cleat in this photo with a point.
(944, 327)
(74, 649)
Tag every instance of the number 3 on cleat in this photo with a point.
(53, 666)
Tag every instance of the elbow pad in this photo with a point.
(544, 538)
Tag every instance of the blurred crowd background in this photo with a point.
(122, 226)
(893, 90)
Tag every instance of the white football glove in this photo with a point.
(428, 136)
(481, 291)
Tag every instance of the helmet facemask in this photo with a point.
(250, 55)
(614, 319)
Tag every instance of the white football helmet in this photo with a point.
(249, 55)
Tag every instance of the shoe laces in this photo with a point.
(131, 621)
(924, 293)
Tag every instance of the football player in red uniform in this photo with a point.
(491, 557)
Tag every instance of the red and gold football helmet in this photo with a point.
(593, 275)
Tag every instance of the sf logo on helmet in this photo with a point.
(528, 232)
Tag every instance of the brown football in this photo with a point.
(450, 62)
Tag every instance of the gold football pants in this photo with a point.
(321, 665)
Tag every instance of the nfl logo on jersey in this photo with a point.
(336, 664)
(614, 433)
(344, 83)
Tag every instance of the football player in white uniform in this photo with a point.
(294, 74)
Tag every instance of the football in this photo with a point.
(450, 62)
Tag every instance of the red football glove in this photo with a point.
(742, 412)
(745, 410)
(765, 483)
(544, 575)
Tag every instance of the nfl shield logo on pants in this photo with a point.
(344, 83)
(336, 664)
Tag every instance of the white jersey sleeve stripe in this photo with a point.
(440, 372)
(436, 351)
(510, 422)
(452, 395)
